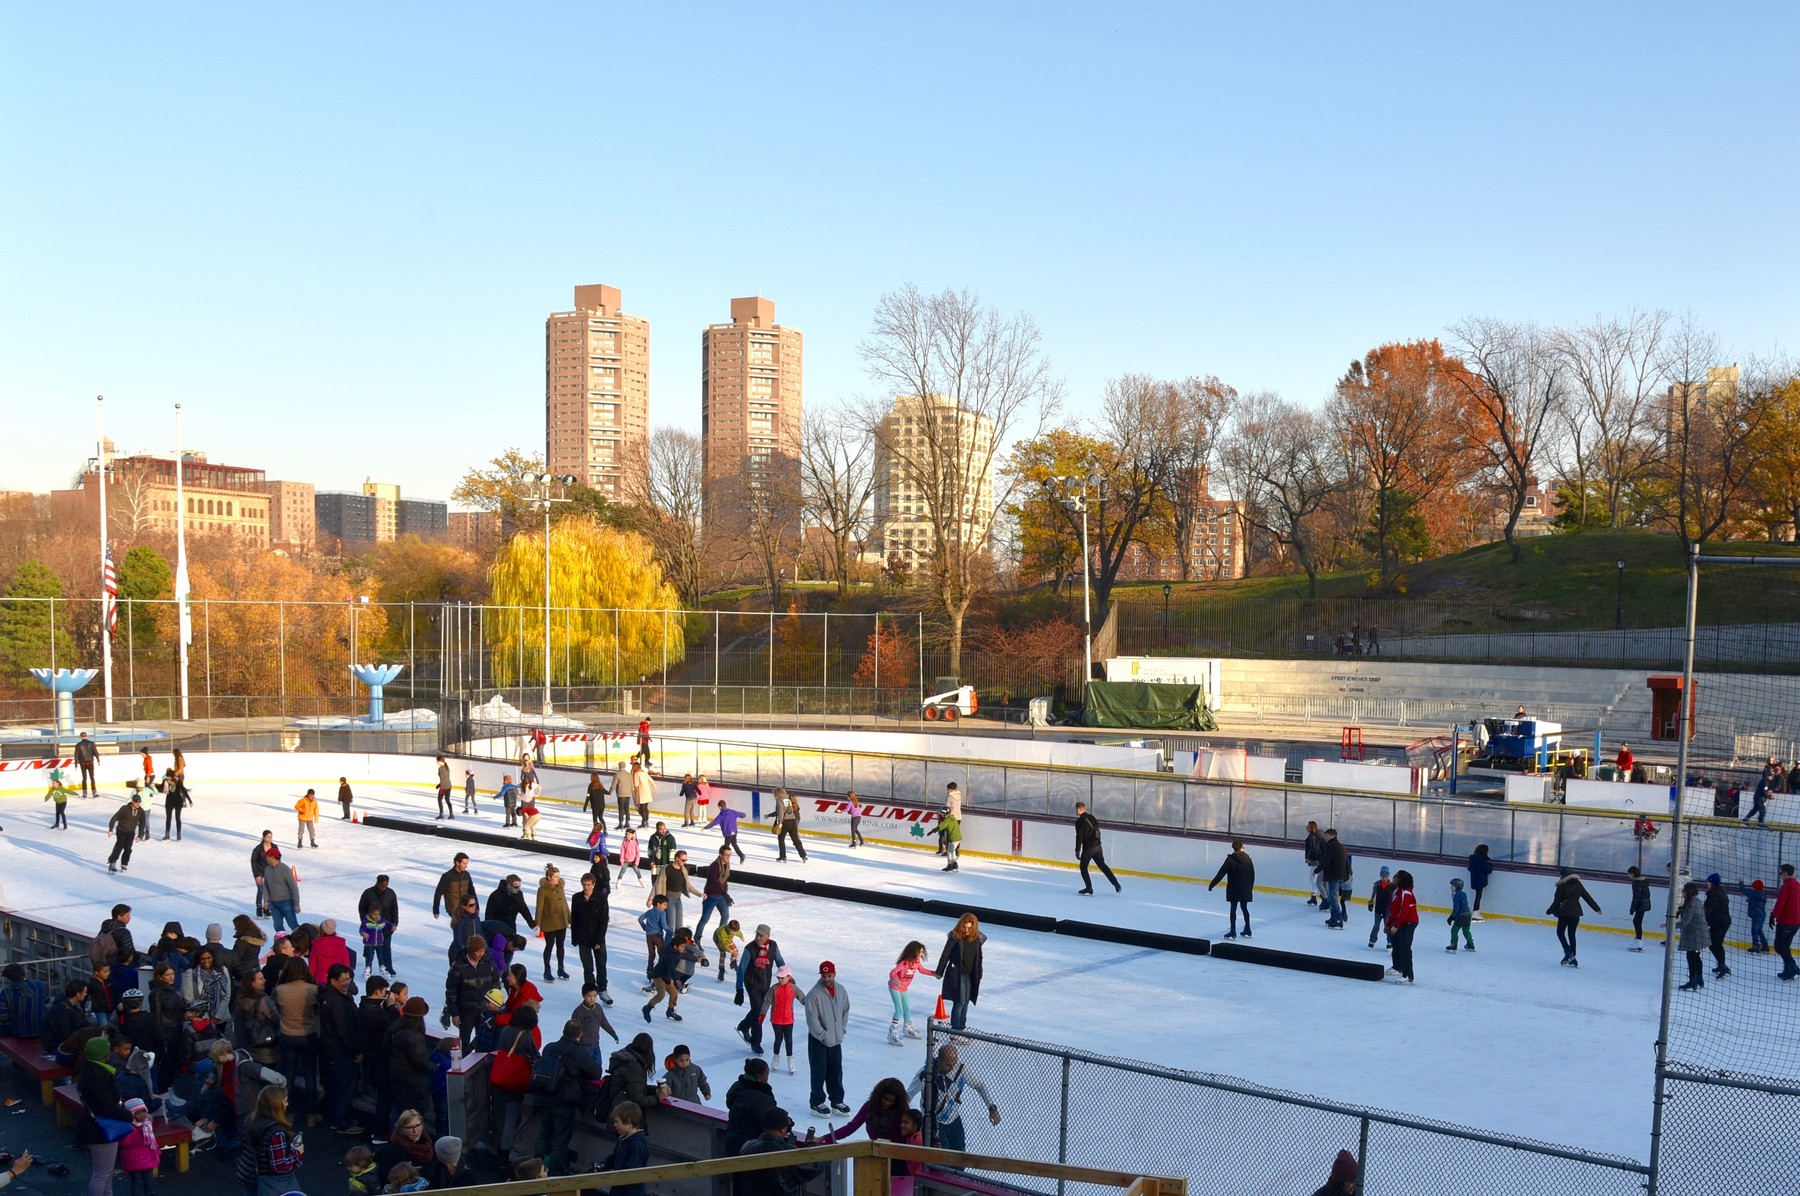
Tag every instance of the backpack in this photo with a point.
(546, 1075)
(104, 949)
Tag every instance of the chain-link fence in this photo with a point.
(1057, 1104)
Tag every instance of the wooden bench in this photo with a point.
(28, 1053)
(68, 1102)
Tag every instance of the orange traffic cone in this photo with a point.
(942, 1014)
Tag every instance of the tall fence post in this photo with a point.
(1062, 1131)
(1362, 1152)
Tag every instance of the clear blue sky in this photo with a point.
(333, 231)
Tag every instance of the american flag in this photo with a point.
(109, 583)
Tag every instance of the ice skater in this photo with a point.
(1379, 898)
(1403, 923)
(1239, 874)
(1480, 868)
(1088, 849)
(1640, 905)
(443, 790)
(1756, 909)
(124, 825)
(1565, 907)
(87, 755)
(1718, 921)
(1690, 930)
(900, 977)
(469, 806)
(1459, 915)
(727, 820)
(630, 851)
(787, 822)
(855, 810)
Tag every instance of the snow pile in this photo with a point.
(498, 710)
(398, 720)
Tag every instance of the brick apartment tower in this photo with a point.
(597, 393)
(750, 393)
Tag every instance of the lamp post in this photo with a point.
(1619, 606)
(543, 498)
(1166, 588)
(1075, 494)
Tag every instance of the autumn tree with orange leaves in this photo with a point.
(1399, 411)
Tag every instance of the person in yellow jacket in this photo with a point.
(308, 810)
(553, 920)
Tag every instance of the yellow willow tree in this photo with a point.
(601, 579)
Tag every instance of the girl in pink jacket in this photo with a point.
(910, 964)
(138, 1153)
(629, 853)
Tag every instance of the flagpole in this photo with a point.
(186, 633)
(108, 578)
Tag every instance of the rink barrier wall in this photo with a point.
(1295, 961)
(1517, 891)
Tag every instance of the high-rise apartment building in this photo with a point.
(931, 455)
(293, 524)
(750, 404)
(344, 518)
(597, 393)
(422, 517)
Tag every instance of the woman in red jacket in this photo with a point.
(1403, 922)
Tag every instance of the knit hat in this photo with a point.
(782, 972)
(97, 1048)
(762, 929)
(1757, 885)
(1343, 1168)
(1714, 879)
(415, 1007)
(496, 997)
(1384, 870)
(134, 1105)
(214, 932)
(448, 1150)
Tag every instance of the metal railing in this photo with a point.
(1551, 836)
(1203, 1127)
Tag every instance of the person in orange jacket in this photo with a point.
(308, 810)
(1403, 922)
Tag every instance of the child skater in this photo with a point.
(1459, 915)
(629, 852)
(900, 978)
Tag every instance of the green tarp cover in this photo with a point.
(1146, 705)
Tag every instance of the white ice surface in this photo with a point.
(1505, 1039)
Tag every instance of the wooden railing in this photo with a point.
(870, 1173)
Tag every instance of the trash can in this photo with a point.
(1038, 712)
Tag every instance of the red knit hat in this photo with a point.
(1343, 1168)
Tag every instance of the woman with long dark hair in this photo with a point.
(272, 1149)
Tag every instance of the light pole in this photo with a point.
(1619, 606)
(543, 498)
(1166, 588)
(1075, 493)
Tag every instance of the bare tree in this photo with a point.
(755, 517)
(1284, 467)
(1191, 421)
(672, 504)
(1713, 419)
(837, 478)
(1513, 387)
(1616, 370)
(967, 379)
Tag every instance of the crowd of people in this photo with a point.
(257, 1032)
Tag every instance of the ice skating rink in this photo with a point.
(1504, 1039)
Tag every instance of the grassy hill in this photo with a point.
(1565, 582)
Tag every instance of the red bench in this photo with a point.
(68, 1101)
(28, 1053)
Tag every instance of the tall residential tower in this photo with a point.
(750, 393)
(597, 393)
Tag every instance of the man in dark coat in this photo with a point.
(1239, 875)
(340, 1047)
(777, 1135)
(1334, 870)
(1088, 849)
(507, 904)
(375, 1017)
(86, 756)
(574, 1067)
(452, 887)
(588, 919)
(409, 1060)
(381, 897)
(125, 824)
